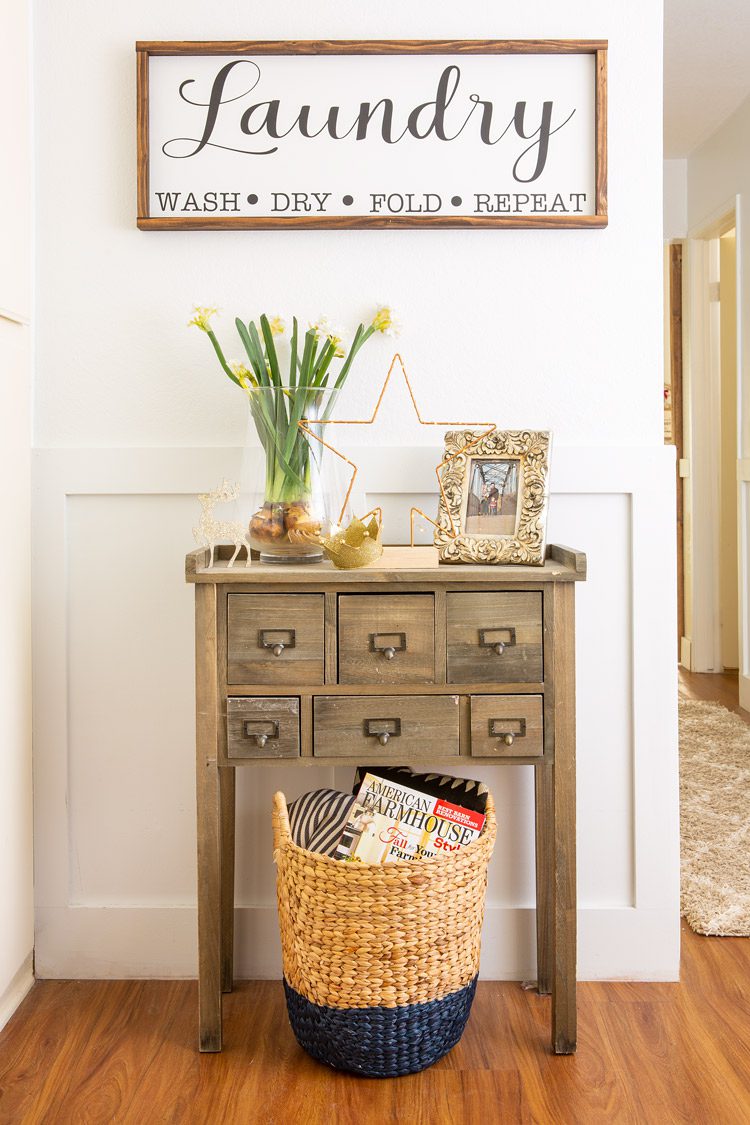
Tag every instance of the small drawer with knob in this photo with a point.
(275, 639)
(262, 728)
(507, 726)
(386, 639)
(377, 726)
(494, 638)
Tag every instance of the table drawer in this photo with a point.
(386, 639)
(275, 639)
(495, 638)
(262, 728)
(397, 726)
(507, 726)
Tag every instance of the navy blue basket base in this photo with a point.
(380, 960)
(380, 1042)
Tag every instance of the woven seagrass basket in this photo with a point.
(380, 961)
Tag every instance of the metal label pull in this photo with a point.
(498, 638)
(277, 639)
(382, 729)
(503, 728)
(388, 643)
(269, 728)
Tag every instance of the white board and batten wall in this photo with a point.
(552, 329)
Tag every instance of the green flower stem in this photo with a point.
(278, 408)
(220, 354)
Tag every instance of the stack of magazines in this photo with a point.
(395, 814)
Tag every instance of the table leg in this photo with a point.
(544, 812)
(208, 802)
(227, 777)
(209, 906)
(564, 815)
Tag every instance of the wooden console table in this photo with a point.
(403, 661)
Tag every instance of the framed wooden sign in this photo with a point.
(425, 133)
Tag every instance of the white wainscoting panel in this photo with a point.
(114, 751)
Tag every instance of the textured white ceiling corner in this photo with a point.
(706, 68)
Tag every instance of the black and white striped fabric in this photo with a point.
(317, 819)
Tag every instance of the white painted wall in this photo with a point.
(554, 329)
(16, 881)
(675, 199)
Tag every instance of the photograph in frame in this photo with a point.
(493, 499)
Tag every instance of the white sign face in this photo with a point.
(263, 138)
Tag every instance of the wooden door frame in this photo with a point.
(701, 646)
(676, 390)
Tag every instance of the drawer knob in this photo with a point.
(277, 639)
(504, 729)
(382, 729)
(388, 644)
(488, 638)
(261, 730)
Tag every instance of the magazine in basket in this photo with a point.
(391, 820)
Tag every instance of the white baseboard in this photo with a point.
(686, 654)
(109, 943)
(19, 987)
(744, 684)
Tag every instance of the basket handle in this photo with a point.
(281, 831)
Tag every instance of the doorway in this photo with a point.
(714, 507)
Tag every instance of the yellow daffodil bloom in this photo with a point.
(338, 347)
(385, 321)
(244, 374)
(201, 317)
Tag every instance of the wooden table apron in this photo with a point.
(400, 571)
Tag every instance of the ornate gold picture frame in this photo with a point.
(493, 497)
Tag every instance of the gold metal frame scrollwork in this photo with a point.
(526, 546)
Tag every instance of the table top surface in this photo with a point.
(396, 565)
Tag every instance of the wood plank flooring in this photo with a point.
(713, 687)
(648, 1054)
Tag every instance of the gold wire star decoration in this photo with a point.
(397, 364)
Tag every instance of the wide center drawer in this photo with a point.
(495, 637)
(275, 639)
(386, 639)
(400, 726)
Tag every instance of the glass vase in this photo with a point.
(297, 488)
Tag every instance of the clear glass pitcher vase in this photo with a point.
(295, 489)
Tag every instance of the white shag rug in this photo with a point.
(714, 819)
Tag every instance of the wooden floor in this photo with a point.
(713, 687)
(648, 1054)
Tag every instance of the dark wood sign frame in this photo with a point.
(372, 47)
